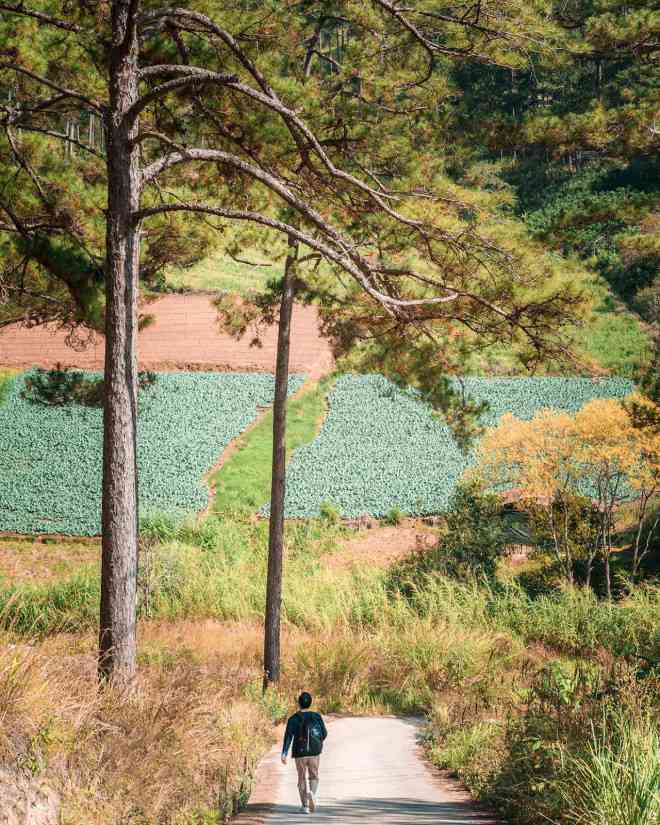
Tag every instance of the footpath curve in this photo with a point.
(372, 771)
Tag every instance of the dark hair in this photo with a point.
(305, 700)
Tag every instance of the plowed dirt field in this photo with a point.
(184, 336)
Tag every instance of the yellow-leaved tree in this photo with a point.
(571, 474)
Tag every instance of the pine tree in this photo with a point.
(322, 123)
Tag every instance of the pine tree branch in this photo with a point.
(93, 104)
(209, 26)
(268, 97)
(61, 136)
(275, 184)
(338, 254)
(23, 163)
(43, 105)
(193, 76)
(46, 19)
(297, 127)
(40, 295)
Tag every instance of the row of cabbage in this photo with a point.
(50, 457)
(381, 448)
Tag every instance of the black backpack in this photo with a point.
(309, 740)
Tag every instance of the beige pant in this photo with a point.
(307, 767)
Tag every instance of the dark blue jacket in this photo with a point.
(293, 727)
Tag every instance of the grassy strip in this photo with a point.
(242, 484)
(7, 376)
(222, 273)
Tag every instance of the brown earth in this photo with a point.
(184, 336)
(381, 546)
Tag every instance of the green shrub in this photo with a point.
(394, 517)
(473, 539)
(158, 527)
(467, 752)
(553, 751)
(329, 513)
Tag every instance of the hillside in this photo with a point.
(379, 449)
(329, 381)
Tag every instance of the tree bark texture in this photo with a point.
(278, 485)
(117, 633)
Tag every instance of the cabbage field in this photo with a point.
(50, 457)
(382, 448)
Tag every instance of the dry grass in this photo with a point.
(37, 562)
(180, 749)
(494, 668)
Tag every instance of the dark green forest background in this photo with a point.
(573, 136)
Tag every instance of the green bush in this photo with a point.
(561, 749)
(62, 386)
(473, 539)
(394, 517)
(466, 752)
(475, 535)
(329, 513)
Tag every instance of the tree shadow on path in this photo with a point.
(387, 811)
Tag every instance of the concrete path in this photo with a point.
(372, 772)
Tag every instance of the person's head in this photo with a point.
(305, 700)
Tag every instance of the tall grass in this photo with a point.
(217, 570)
(67, 606)
(542, 705)
(617, 779)
(573, 620)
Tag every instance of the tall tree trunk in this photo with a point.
(591, 558)
(608, 577)
(117, 633)
(607, 552)
(278, 485)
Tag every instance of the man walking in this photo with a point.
(306, 730)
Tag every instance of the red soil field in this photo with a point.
(184, 336)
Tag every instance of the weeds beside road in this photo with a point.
(526, 696)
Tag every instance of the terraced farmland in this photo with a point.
(50, 459)
(381, 448)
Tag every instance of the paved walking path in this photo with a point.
(372, 773)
